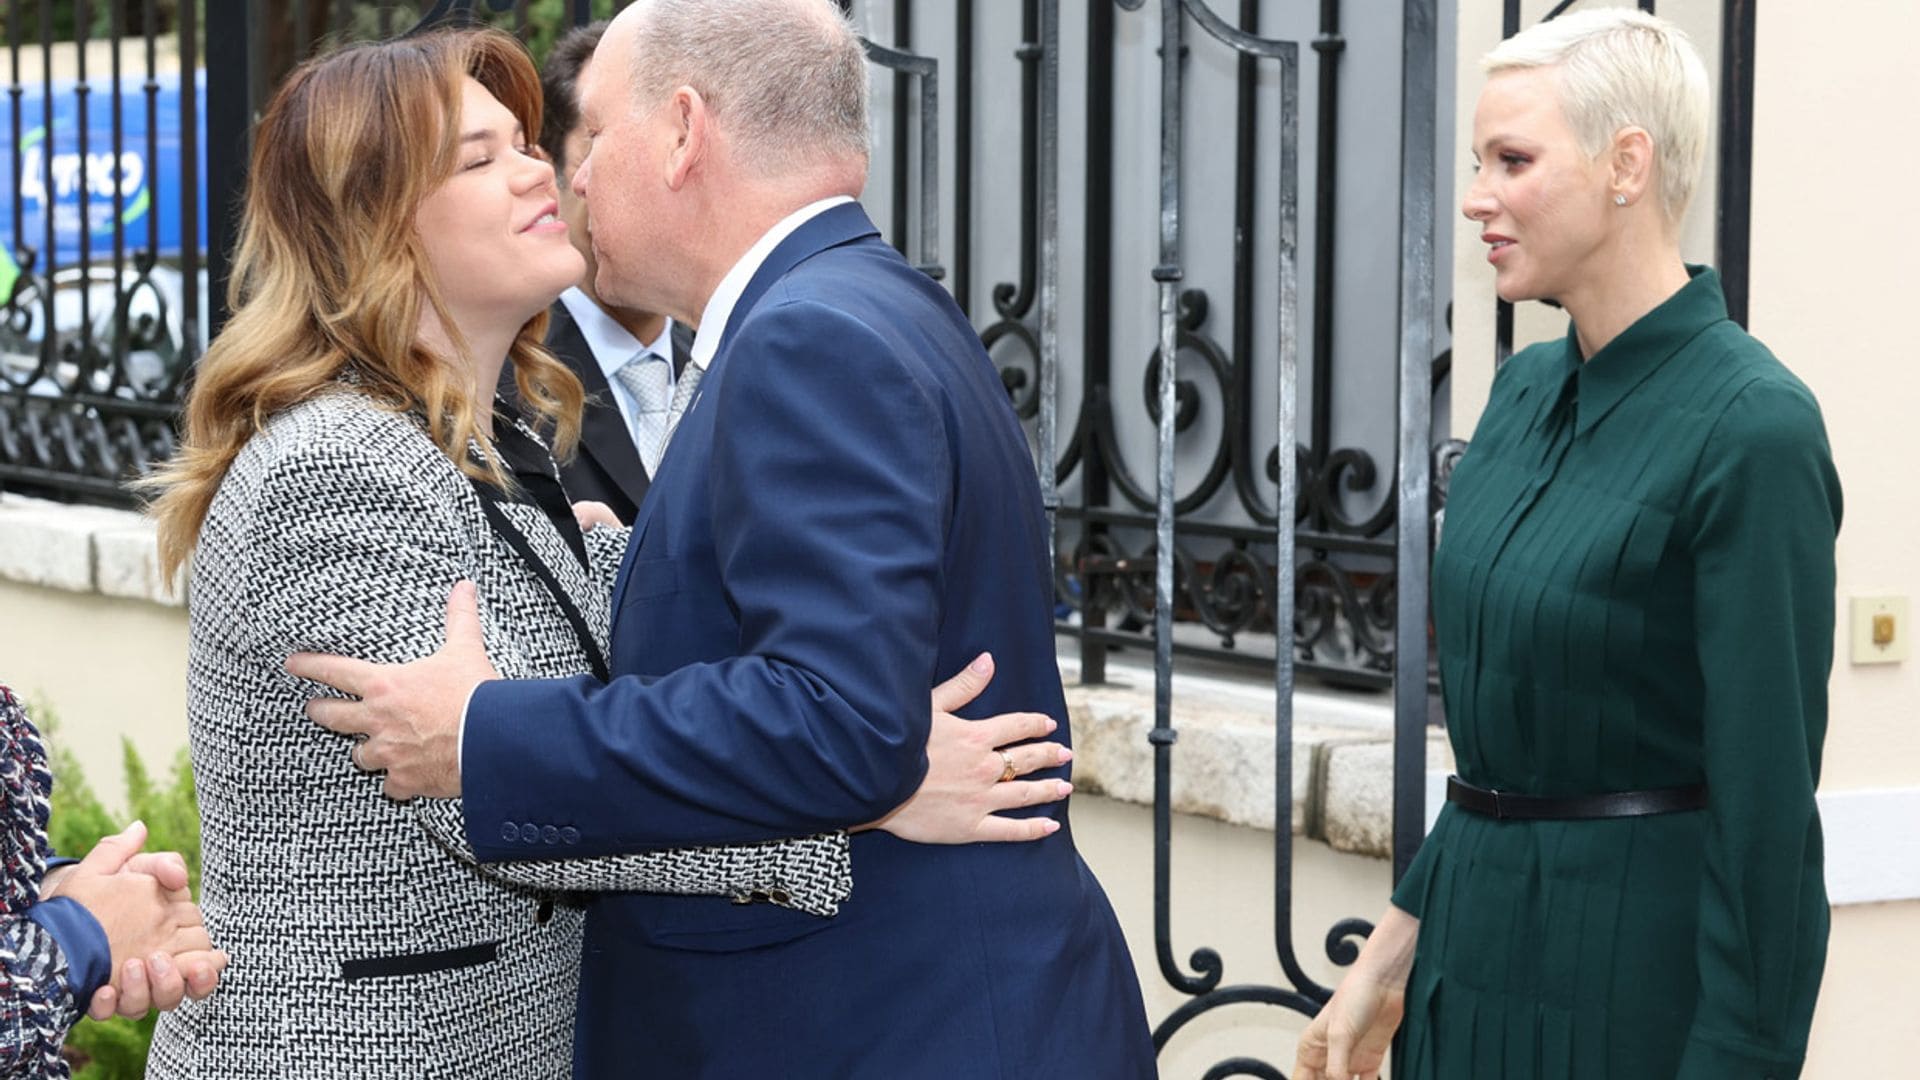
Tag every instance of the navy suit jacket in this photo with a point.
(606, 468)
(846, 514)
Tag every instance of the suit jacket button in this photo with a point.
(530, 833)
(569, 835)
(544, 913)
(550, 835)
(509, 832)
(779, 896)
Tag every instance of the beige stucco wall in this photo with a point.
(1833, 273)
(1834, 277)
(109, 667)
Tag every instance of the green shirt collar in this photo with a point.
(1611, 374)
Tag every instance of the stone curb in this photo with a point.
(81, 549)
(1223, 756)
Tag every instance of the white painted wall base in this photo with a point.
(1873, 844)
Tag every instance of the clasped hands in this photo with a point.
(408, 719)
(161, 952)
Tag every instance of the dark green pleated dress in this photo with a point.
(1634, 589)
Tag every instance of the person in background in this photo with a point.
(627, 360)
(1634, 608)
(116, 931)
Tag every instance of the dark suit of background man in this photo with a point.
(594, 338)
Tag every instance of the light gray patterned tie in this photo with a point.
(683, 395)
(648, 378)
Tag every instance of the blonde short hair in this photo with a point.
(1617, 68)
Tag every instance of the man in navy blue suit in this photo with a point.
(847, 508)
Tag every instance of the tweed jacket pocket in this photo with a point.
(424, 963)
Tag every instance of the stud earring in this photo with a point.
(1619, 200)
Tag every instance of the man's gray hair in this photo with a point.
(786, 79)
(1617, 67)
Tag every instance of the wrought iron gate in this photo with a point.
(1141, 563)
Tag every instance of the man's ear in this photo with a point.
(693, 134)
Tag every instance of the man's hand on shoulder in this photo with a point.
(408, 715)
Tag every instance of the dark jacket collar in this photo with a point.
(830, 228)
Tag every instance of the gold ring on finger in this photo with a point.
(1008, 772)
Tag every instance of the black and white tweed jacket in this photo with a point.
(365, 942)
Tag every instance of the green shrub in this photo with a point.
(117, 1049)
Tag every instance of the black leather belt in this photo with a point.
(1614, 804)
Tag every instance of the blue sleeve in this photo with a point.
(831, 484)
(81, 939)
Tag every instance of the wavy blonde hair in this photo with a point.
(330, 276)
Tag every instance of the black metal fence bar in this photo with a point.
(1733, 236)
(229, 140)
(1163, 735)
(49, 342)
(1419, 75)
(902, 140)
(921, 74)
(191, 338)
(116, 29)
(1049, 227)
(1205, 982)
(84, 353)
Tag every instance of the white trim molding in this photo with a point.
(1872, 844)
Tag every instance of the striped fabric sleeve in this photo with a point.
(37, 1004)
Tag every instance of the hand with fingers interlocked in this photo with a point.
(161, 954)
(972, 771)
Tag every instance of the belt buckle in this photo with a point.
(1499, 810)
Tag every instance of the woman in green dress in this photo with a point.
(1633, 600)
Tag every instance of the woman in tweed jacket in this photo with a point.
(341, 462)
